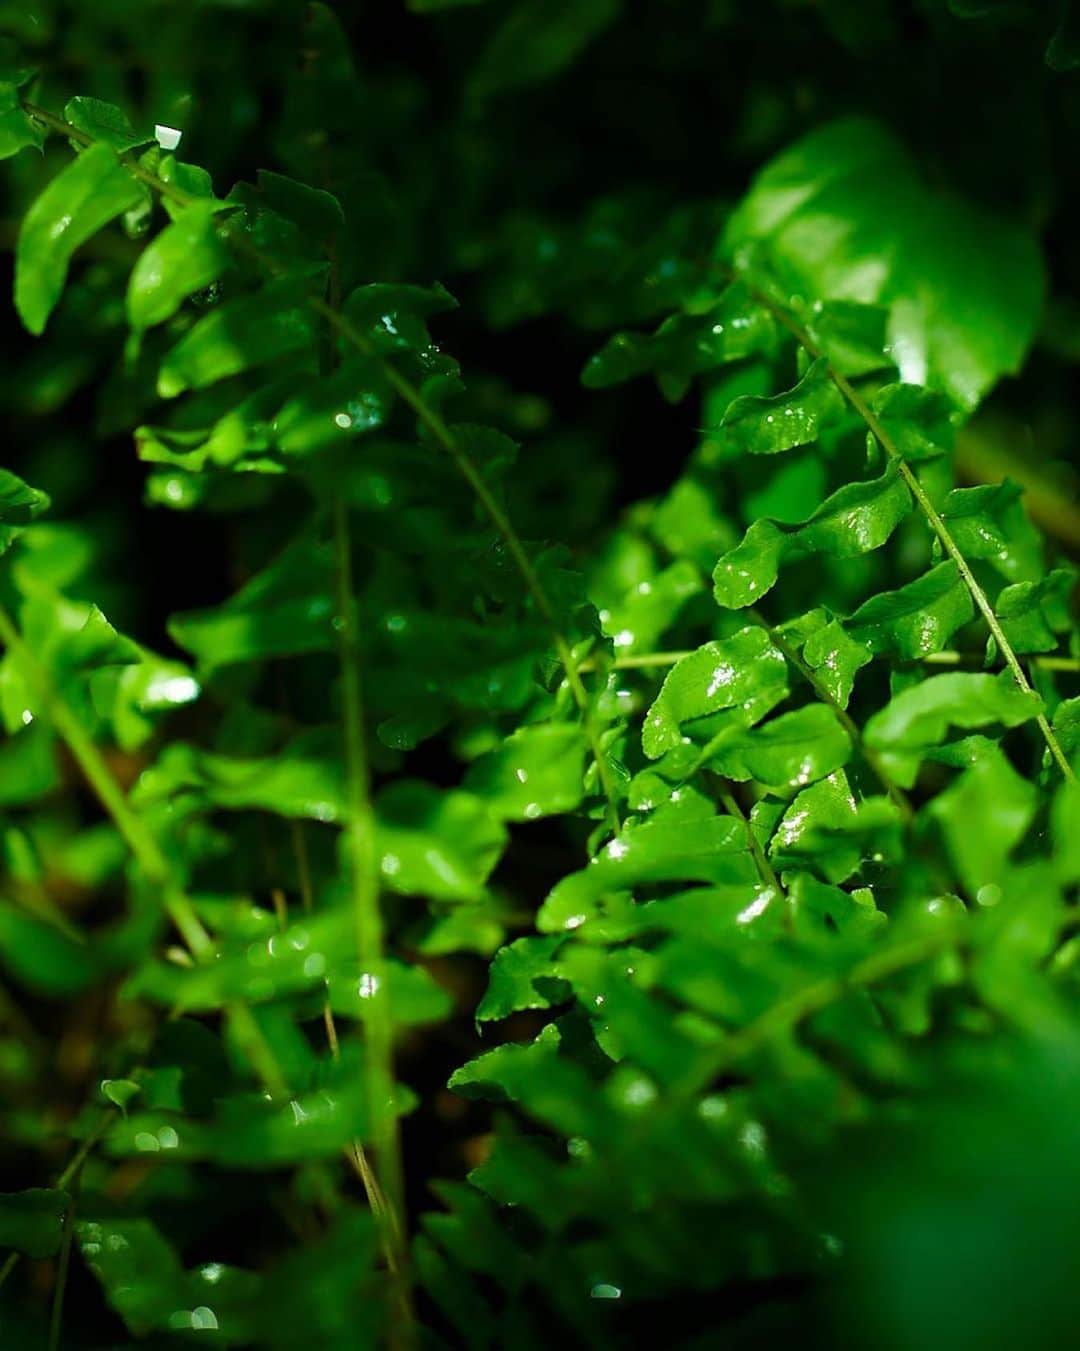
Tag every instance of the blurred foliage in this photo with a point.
(539, 685)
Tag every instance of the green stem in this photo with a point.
(145, 849)
(765, 869)
(370, 942)
(463, 462)
(56, 1316)
(937, 524)
(647, 660)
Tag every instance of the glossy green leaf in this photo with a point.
(686, 345)
(676, 844)
(835, 657)
(17, 129)
(184, 258)
(94, 189)
(788, 752)
(103, 122)
(915, 620)
(19, 505)
(765, 426)
(744, 669)
(524, 975)
(853, 336)
(918, 421)
(844, 214)
(989, 523)
(854, 520)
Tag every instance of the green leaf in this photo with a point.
(184, 258)
(103, 122)
(19, 505)
(537, 771)
(284, 610)
(835, 657)
(329, 410)
(17, 128)
(856, 519)
(312, 209)
(92, 190)
(686, 345)
(676, 844)
(120, 1091)
(535, 41)
(743, 669)
(1032, 614)
(250, 331)
(32, 1222)
(439, 845)
(789, 752)
(988, 523)
(305, 778)
(983, 815)
(852, 336)
(516, 976)
(920, 717)
(765, 426)
(917, 619)
(918, 421)
(843, 214)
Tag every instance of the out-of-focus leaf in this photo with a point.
(844, 214)
(250, 331)
(920, 717)
(94, 189)
(537, 771)
(32, 1222)
(184, 258)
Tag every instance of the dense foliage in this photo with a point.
(516, 848)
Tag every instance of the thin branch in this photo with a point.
(139, 839)
(388, 1181)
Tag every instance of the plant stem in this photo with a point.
(761, 861)
(56, 1316)
(495, 512)
(919, 493)
(140, 841)
(370, 944)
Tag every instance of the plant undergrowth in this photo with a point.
(720, 850)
